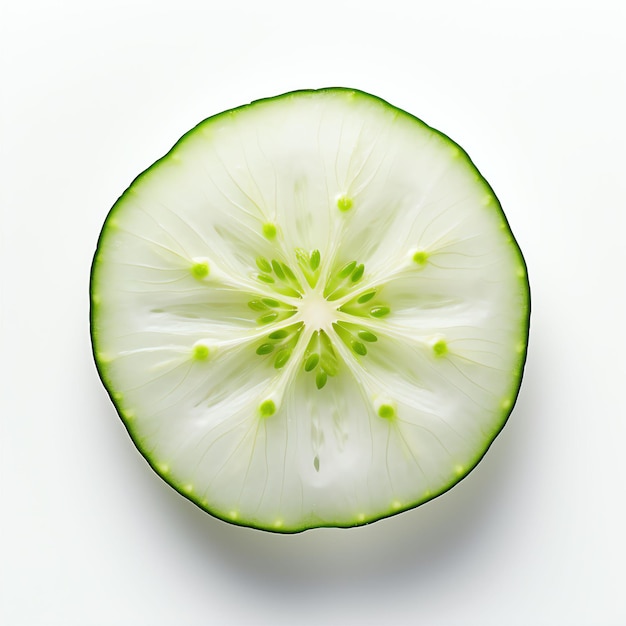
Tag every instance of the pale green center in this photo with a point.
(317, 312)
(311, 307)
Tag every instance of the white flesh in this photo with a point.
(449, 354)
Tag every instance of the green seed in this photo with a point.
(269, 230)
(267, 318)
(315, 259)
(256, 305)
(266, 278)
(380, 311)
(200, 270)
(311, 362)
(359, 348)
(358, 273)
(420, 257)
(263, 264)
(366, 297)
(278, 334)
(344, 203)
(440, 348)
(267, 408)
(265, 348)
(287, 291)
(288, 272)
(367, 336)
(320, 379)
(386, 411)
(281, 358)
(278, 270)
(200, 352)
(347, 269)
(271, 302)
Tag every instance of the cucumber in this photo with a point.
(311, 312)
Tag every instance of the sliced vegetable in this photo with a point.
(311, 312)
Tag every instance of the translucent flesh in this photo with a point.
(328, 178)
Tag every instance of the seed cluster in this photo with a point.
(320, 357)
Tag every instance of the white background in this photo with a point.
(93, 93)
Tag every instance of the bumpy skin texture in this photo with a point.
(330, 337)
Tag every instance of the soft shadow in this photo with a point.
(409, 548)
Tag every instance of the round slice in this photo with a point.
(311, 312)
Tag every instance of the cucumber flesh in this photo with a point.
(311, 312)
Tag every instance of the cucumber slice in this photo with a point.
(311, 312)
